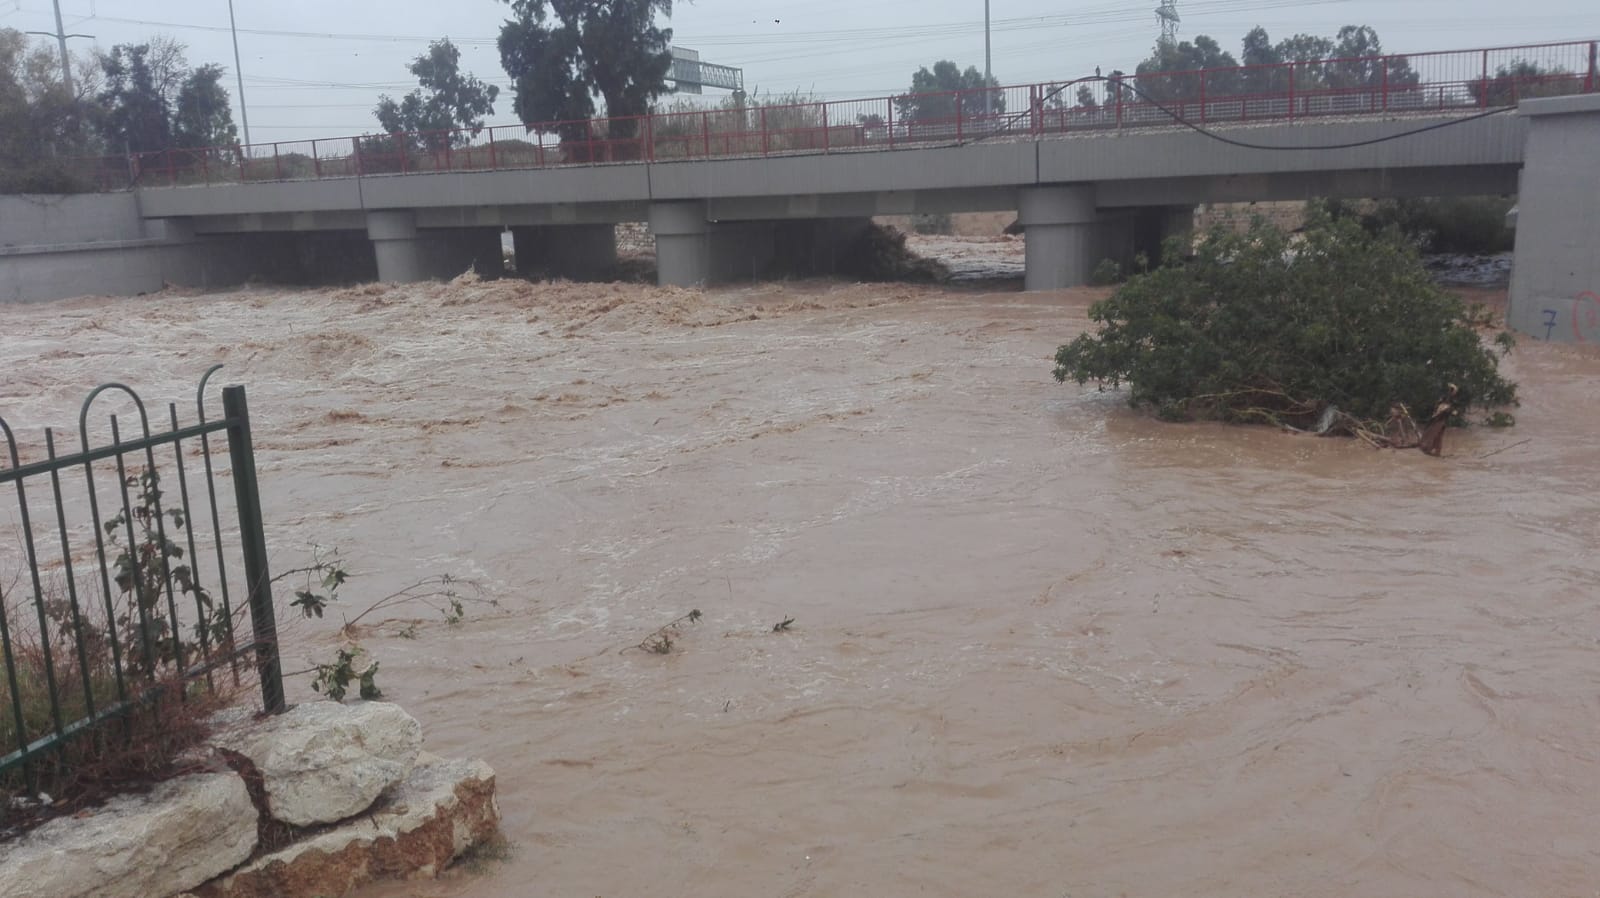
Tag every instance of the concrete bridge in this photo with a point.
(731, 197)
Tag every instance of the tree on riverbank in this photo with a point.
(1270, 327)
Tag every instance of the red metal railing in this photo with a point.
(1376, 85)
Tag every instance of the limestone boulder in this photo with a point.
(323, 762)
(441, 809)
(184, 832)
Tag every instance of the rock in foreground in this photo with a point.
(184, 831)
(441, 809)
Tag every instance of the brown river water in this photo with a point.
(1042, 646)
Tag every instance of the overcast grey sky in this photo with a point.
(323, 80)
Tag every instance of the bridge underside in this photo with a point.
(1079, 199)
(1070, 227)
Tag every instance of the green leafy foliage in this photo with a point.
(149, 566)
(563, 54)
(1461, 224)
(1343, 61)
(448, 108)
(201, 115)
(333, 680)
(42, 123)
(1526, 80)
(1263, 327)
(933, 93)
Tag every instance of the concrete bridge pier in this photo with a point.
(577, 252)
(1064, 236)
(401, 258)
(406, 254)
(683, 243)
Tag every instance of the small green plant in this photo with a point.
(149, 562)
(1105, 274)
(333, 680)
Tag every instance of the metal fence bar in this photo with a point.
(142, 651)
(72, 583)
(254, 543)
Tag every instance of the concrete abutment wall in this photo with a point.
(1555, 274)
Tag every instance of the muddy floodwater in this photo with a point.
(1041, 645)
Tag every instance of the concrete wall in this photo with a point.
(1555, 276)
(57, 247)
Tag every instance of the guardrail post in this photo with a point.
(825, 146)
(1590, 81)
(959, 112)
(277, 164)
(1035, 111)
(1386, 85)
(1202, 96)
(888, 121)
(766, 138)
(705, 133)
(355, 153)
(254, 547)
(316, 161)
(650, 137)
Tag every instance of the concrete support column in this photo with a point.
(1060, 228)
(1555, 272)
(578, 252)
(401, 259)
(683, 257)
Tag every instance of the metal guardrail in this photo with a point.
(1293, 91)
(98, 623)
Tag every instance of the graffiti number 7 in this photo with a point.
(1549, 322)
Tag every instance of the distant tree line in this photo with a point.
(136, 98)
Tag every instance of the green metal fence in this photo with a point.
(131, 576)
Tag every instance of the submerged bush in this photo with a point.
(1472, 224)
(1261, 326)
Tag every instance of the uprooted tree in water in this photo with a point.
(1334, 330)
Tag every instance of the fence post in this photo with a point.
(355, 153)
(889, 121)
(316, 161)
(491, 150)
(1385, 85)
(1202, 96)
(766, 139)
(650, 137)
(1483, 84)
(705, 133)
(277, 164)
(959, 133)
(1292, 92)
(1589, 82)
(1035, 110)
(254, 545)
(824, 126)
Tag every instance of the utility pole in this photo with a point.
(61, 35)
(238, 70)
(988, 64)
